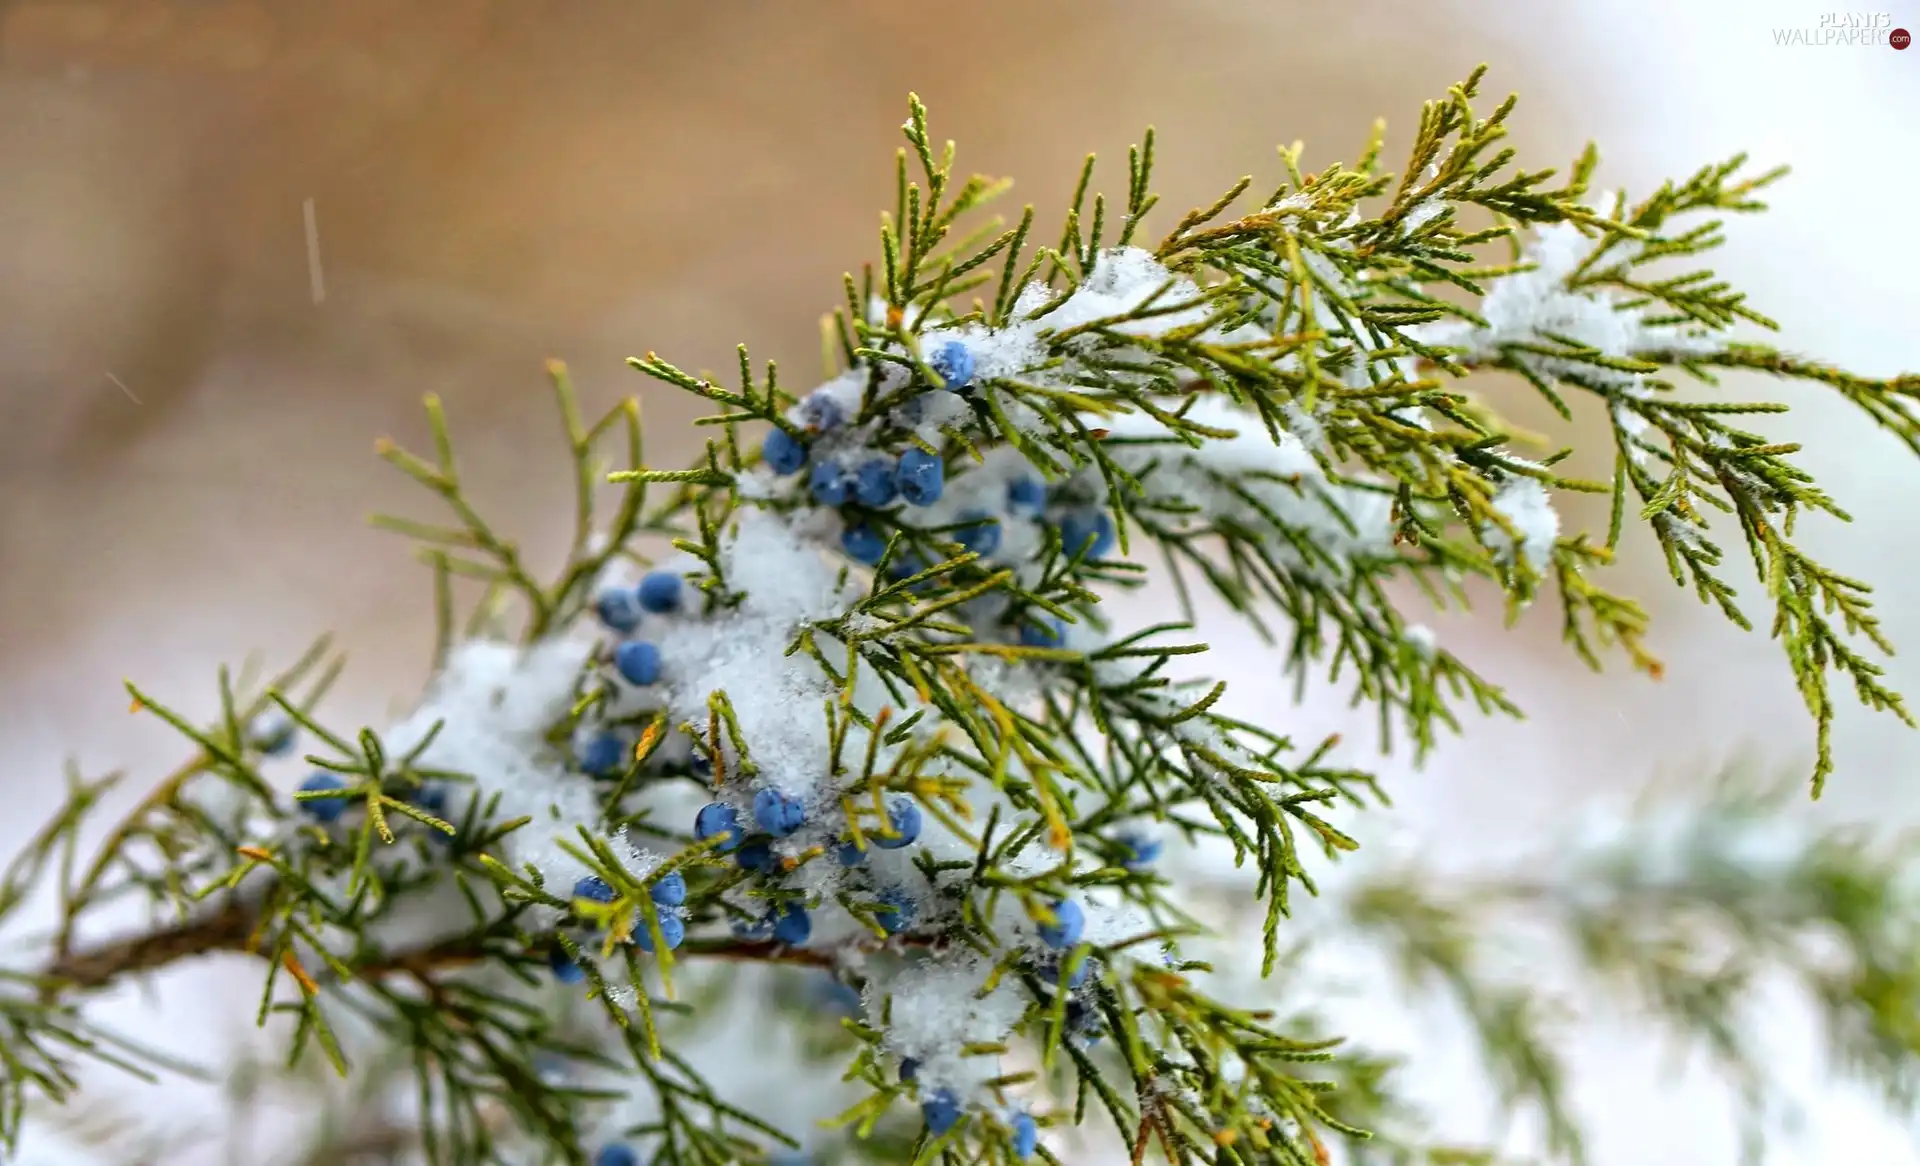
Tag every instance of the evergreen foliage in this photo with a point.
(867, 747)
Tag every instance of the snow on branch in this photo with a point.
(869, 721)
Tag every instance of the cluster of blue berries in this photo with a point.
(1087, 529)
(779, 815)
(659, 593)
(669, 893)
(637, 661)
(621, 610)
(978, 531)
(917, 477)
(941, 1111)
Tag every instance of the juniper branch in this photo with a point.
(892, 681)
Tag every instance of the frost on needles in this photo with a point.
(870, 716)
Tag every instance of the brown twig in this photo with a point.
(231, 928)
(226, 929)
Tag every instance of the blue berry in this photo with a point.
(898, 912)
(1084, 1019)
(1050, 972)
(273, 735)
(660, 592)
(672, 929)
(755, 856)
(785, 453)
(851, 855)
(1049, 632)
(909, 1068)
(1064, 931)
(1026, 1135)
(793, 927)
(820, 412)
(436, 799)
(982, 537)
(756, 929)
(1139, 851)
(1087, 533)
(906, 565)
(838, 996)
(432, 798)
(920, 477)
(904, 818)
(1027, 497)
(564, 969)
(638, 663)
(941, 1111)
(1104, 536)
(323, 809)
(863, 544)
(604, 756)
(954, 362)
(778, 814)
(873, 483)
(618, 608)
(716, 818)
(595, 888)
(700, 765)
(616, 1154)
(831, 485)
(670, 890)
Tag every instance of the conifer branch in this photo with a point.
(870, 720)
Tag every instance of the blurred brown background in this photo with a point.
(185, 435)
(495, 183)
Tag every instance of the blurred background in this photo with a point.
(186, 427)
